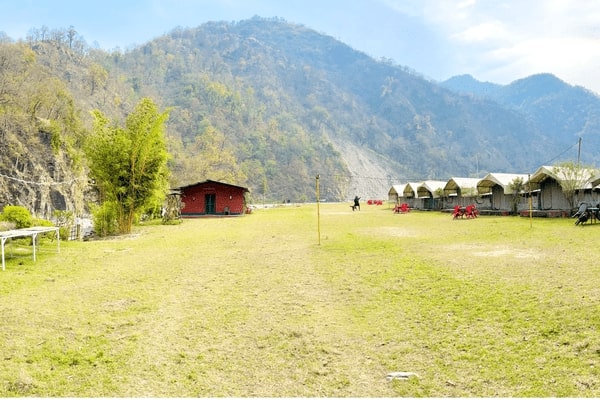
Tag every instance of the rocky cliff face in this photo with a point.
(371, 174)
(35, 176)
(41, 129)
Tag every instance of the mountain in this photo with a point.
(468, 85)
(270, 105)
(562, 112)
(311, 83)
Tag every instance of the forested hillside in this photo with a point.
(290, 88)
(268, 104)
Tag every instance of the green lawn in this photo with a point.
(255, 306)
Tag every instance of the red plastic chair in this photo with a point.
(471, 211)
(404, 208)
(458, 212)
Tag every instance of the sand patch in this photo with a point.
(508, 252)
(504, 251)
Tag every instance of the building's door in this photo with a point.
(428, 203)
(546, 197)
(209, 201)
(497, 198)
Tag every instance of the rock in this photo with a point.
(400, 375)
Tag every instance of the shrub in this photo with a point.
(41, 222)
(17, 214)
(64, 232)
(105, 219)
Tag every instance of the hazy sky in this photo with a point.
(493, 40)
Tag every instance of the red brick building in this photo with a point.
(212, 198)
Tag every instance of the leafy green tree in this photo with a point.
(572, 178)
(129, 164)
(517, 186)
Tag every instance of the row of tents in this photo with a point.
(553, 191)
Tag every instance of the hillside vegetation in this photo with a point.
(268, 104)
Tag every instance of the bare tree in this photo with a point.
(71, 34)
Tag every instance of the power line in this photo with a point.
(374, 178)
(40, 183)
(561, 154)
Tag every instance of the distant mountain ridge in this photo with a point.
(562, 112)
(467, 84)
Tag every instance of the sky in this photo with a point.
(496, 41)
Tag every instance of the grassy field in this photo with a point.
(255, 306)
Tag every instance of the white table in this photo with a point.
(25, 232)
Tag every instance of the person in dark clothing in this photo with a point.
(356, 203)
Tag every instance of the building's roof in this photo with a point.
(208, 181)
(397, 190)
(464, 184)
(430, 189)
(561, 173)
(410, 189)
(486, 184)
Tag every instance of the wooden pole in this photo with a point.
(530, 201)
(318, 212)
